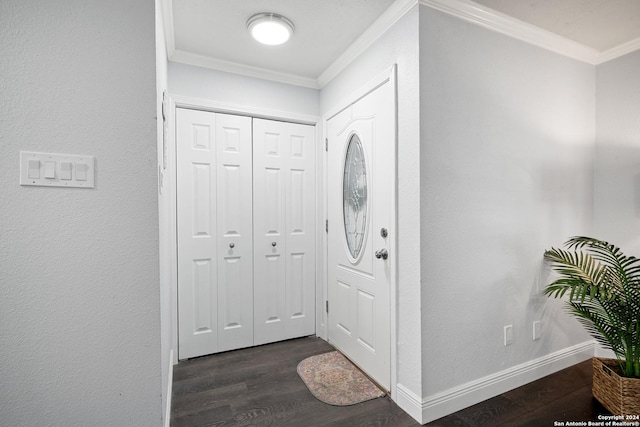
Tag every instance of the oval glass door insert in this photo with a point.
(354, 191)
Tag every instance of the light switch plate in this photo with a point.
(52, 173)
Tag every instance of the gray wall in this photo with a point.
(617, 189)
(508, 139)
(79, 299)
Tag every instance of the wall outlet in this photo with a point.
(508, 335)
(536, 330)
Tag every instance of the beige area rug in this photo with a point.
(332, 379)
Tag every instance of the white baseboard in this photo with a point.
(409, 402)
(457, 398)
(167, 410)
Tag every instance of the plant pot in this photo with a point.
(620, 395)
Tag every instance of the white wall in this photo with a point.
(222, 87)
(399, 45)
(508, 140)
(79, 305)
(617, 189)
(164, 220)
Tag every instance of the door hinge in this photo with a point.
(164, 106)
(326, 225)
(326, 306)
(326, 144)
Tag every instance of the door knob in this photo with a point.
(232, 245)
(382, 253)
(273, 244)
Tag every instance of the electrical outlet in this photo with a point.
(508, 335)
(536, 330)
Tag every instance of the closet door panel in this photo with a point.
(300, 220)
(269, 229)
(234, 232)
(284, 207)
(196, 223)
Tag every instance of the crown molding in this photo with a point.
(507, 25)
(244, 70)
(618, 51)
(385, 21)
(466, 10)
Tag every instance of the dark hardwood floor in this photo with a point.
(259, 386)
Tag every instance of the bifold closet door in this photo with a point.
(284, 237)
(214, 226)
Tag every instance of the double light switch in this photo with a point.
(56, 170)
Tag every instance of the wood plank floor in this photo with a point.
(259, 386)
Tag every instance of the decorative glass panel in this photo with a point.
(354, 189)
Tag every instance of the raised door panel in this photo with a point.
(197, 254)
(284, 212)
(300, 227)
(234, 232)
(215, 256)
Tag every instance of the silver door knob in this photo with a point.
(273, 244)
(382, 253)
(232, 245)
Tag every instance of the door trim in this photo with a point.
(387, 76)
(167, 178)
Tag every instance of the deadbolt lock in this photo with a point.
(384, 232)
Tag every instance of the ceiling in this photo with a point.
(324, 29)
(212, 33)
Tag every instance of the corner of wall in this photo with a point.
(410, 403)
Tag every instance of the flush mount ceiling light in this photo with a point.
(270, 28)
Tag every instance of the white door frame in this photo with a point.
(388, 76)
(168, 178)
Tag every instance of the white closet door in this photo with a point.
(213, 213)
(234, 232)
(284, 219)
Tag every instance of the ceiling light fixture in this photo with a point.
(270, 28)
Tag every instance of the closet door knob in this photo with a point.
(232, 245)
(273, 244)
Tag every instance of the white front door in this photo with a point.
(361, 141)
(284, 229)
(214, 227)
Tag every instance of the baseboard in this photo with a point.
(455, 399)
(409, 402)
(167, 410)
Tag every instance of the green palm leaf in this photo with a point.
(603, 286)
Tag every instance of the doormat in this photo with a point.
(332, 379)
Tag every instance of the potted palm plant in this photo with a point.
(603, 287)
